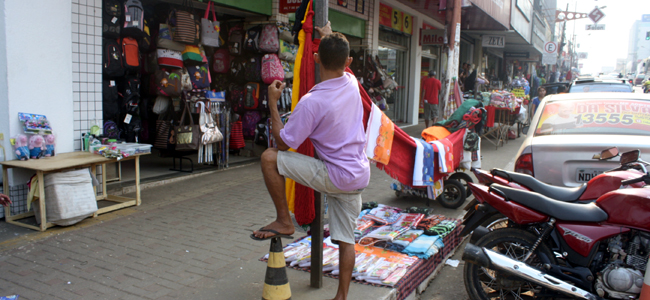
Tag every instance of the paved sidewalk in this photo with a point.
(188, 240)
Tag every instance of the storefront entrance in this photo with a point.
(394, 58)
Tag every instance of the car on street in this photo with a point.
(568, 129)
(592, 85)
(638, 80)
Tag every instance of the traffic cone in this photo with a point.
(645, 290)
(276, 283)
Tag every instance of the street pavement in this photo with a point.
(190, 240)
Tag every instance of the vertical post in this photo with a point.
(316, 279)
(41, 200)
(5, 189)
(452, 23)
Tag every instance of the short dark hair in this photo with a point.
(333, 51)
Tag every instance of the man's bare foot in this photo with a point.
(278, 226)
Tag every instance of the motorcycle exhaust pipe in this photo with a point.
(496, 261)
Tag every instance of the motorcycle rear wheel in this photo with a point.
(483, 283)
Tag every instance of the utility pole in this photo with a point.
(559, 52)
(453, 32)
(316, 279)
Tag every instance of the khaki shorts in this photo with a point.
(344, 207)
(430, 111)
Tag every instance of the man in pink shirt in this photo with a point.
(430, 89)
(331, 116)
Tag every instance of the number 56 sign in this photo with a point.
(396, 19)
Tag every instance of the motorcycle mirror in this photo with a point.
(630, 157)
(607, 154)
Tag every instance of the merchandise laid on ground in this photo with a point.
(394, 248)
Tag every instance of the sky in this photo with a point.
(605, 46)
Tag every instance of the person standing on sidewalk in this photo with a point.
(430, 90)
(331, 116)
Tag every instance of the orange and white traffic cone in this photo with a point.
(645, 290)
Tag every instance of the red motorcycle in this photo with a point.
(556, 249)
(586, 193)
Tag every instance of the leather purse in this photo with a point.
(188, 137)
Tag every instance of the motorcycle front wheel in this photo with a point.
(483, 283)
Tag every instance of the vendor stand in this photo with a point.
(63, 162)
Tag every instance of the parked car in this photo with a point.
(568, 129)
(639, 79)
(592, 85)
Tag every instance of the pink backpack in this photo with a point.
(221, 61)
(269, 41)
(271, 68)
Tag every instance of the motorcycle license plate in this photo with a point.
(584, 175)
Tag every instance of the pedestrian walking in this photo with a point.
(430, 94)
(331, 116)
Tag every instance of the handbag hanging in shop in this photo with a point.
(210, 29)
(168, 83)
(188, 137)
(161, 105)
(165, 39)
(170, 58)
(221, 60)
(269, 41)
(199, 76)
(185, 27)
(192, 55)
(163, 131)
(271, 68)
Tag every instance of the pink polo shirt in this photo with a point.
(331, 115)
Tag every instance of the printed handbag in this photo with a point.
(199, 76)
(165, 39)
(210, 29)
(271, 68)
(192, 55)
(216, 96)
(169, 58)
(269, 42)
(188, 137)
(185, 27)
(168, 83)
(186, 82)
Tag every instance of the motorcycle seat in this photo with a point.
(567, 194)
(566, 211)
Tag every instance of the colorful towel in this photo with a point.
(442, 229)
(423, 169)
(445, 155)
(379, 136)
(436, 189)
(424, 246)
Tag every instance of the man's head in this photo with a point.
(334, 52)
(432, 73)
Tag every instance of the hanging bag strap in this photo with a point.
(186, 109)
(209, 9)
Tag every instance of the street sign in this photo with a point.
(494, 41)
(550, 48)
(595, 27)
(596, 15)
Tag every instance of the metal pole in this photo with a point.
(316, 276)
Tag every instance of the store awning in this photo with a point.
(486, 15)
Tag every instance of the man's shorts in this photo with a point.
(344, 207)
(430, 111)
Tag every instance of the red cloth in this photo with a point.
(304, 203)
(456, 141)
(236, 135)
(402, 156)
(491, 110)
(430, 88)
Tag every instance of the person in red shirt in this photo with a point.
(430, 89)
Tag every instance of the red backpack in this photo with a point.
(130, 54)
(269, 41)
(272, 68)
(221, 60)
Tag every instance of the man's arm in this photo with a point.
(275, 91)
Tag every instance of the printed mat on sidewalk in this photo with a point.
(416, 273)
